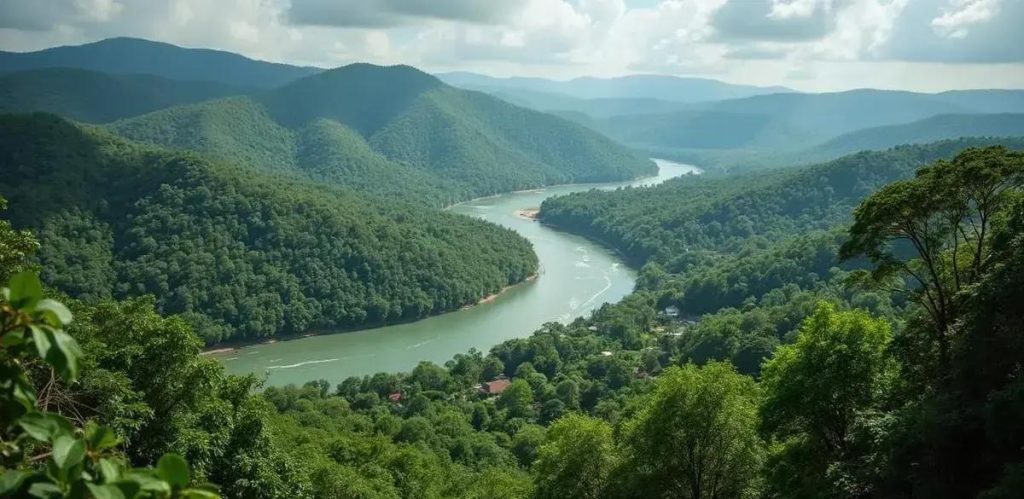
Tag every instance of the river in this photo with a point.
(575, 277)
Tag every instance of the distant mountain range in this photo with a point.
(657, 87)
(394, 131)
(133, 55)
(793, 121)
(96, 97)
(398, 128)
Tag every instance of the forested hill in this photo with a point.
(136, 56)
(927, 130)
(96, 97)
(793, 121)
(374, 128)
(738, 237)
(240, 254)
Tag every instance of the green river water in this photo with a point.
(575, 277)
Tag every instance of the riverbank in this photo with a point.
(222, 349)
(528, 213)
(579, 275)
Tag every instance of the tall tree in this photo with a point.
(575, 460)
(817, 390)
(695, 436)
(929, 237)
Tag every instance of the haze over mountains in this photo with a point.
(133, 55)
(692, 117)
(844, 329)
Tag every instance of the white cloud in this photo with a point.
(960, 14)
(805, 43)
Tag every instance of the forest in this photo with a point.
(898, 369)
(839, 329)
(373, 128)
(241, 256)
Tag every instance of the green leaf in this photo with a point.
(106, 491)
(67, 452)
(26, 290)
(58, 349)
(110, 470)
(148, 483)
(45, 426)
(11, 482)
(55, 312)
(129, 488)
(173, 469)
(199, 494)
(99, 437)
(44, 489)
(42, 341)
(24, 394)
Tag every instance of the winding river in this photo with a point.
(576, 276)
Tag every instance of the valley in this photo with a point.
(575, 276)
(378, 274)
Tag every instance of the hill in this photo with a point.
(661, 87)
(725, 235)
(134, 56)
(394, 129)
(241, 255)
(945, 126)
(96, 97)
(598, 108)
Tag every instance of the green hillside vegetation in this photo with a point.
(782, 129)
(241, 255)
(95, 97)
(891, 403)
(714, 243)
(391, 130)
(136, 56)
(946, 126)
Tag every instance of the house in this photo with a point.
(672, 311)
(495, 387)
(395, 397)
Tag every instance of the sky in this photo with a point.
(811, 45)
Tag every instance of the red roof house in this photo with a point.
(495, 387)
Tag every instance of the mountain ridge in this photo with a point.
(136, 55)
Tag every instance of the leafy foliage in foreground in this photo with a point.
(608, 406)
(41, 453)
(240, 255)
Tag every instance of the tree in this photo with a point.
(818, 390)
(694, 436)
(16, 246)
(945, 217)
(575, 460)
(517, 399)
(67, 461)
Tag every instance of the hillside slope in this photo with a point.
(96, 97)
(733, 229)
(393, 128)
(135, 56)
(669, 88)
(792, 121)
(945, 126)
(242, 255)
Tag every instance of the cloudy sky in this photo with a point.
(806, 44)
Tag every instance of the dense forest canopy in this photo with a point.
(848, 329)
(95, 97)
(241, 255)
(391, 129)
(854, 405)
